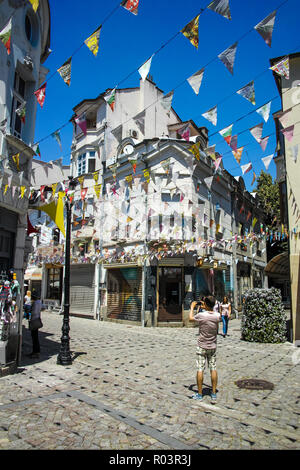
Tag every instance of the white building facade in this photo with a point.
(21, 73)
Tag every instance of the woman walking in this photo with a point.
(225, 308)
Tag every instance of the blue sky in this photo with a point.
(126, 41)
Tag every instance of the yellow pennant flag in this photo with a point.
(238, 154)
(23, 188)
(92, 42)
(97, 189)
(54, 185)
(35, 4)
(195, 150)
(254, 222)
(96, 176)
(191, 31)
(16, 159)
(56, 212)
(80, 180)
(6, 188)
(146, 175)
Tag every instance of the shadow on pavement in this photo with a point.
(49, 347)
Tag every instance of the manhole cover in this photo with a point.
(254, 384)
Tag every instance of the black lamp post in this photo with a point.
(64, 357)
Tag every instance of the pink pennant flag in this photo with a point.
(217, 162)
(283, 117)
(264, 142)
(81, 122)
(185, 132)
(288, 132)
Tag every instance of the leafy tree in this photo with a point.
(269, 197)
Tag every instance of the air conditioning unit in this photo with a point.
(133, 133)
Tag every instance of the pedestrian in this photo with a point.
(225, 308)
(217, 306)
(208, 321)
(35, 323)
(27, 305)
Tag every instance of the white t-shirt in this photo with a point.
(208, 328)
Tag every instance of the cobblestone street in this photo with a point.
(131, 388)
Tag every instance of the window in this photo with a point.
(54, 283)
(81, 164)
(28, 28)
(18, 100)
(31, 28)
(86, 163)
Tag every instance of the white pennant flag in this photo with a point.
(166, 101)
(221, 7)
(264, 142)
(144, 69)
(265, 28)
(211, 115)
(267, 160)
(264, 111)
(246, 168)
(208, 181)
(256, 132)
(195, 80)
(228, 57)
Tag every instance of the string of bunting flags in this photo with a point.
(191, 31)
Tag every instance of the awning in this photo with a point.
(279, 266)
(34, 274)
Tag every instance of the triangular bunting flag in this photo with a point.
(190, 31)
(282, 68)
(228, 57)
(246, 168)
(92, 42)
(56, 136)
(265, 28)
(131, 5)
(217, 162)
(253, 179)
(238, 154)
(211, 115)
(166, 101)
(110, 98)
(96, 176)
(145, 68)
(195, 80)
(211, 152)
(81, 122)
(267, 160)
(41, 94)
(256, 132)
(233, 142)
(118, 133)
(288, 132)
(30, 228)
(65, 71)
(97, 189)
(5, 36)
(226, 133)
(35, 4)
(55, 212)
(248, 92)
(264, 142)
(208, 181)
(83, 193)
(185, 132)
(221, 7)
(264, 111)
(16, 159)
(283, 117)
(195, 150)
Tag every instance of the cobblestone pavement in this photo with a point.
(131, 388)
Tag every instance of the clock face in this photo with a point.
(128, 149)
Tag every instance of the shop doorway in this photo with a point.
(170, 294)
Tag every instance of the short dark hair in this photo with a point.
(34, 296)
(210, 301)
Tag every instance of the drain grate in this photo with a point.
(254, 384)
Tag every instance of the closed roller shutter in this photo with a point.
(82, 290)
(124, 293)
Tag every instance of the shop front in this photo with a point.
(124, 293)
(82, 290)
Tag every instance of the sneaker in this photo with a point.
(197, 396)
(213, 398)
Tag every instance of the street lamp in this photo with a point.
(64, 357)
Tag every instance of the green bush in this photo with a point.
(263, 319)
